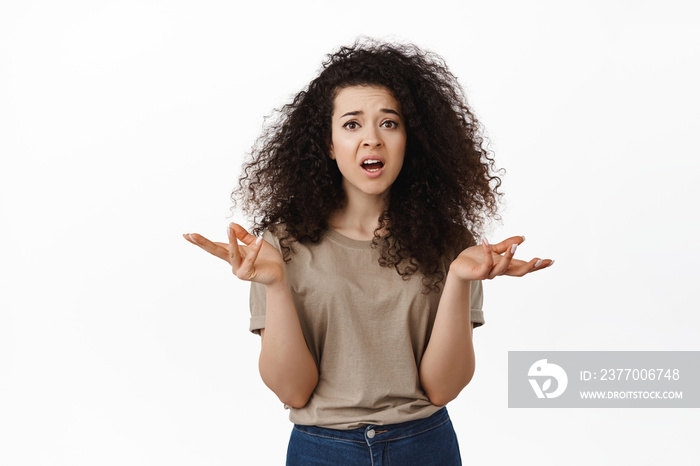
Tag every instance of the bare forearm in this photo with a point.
(448, 363)
(286, 365)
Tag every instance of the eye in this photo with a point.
(391, 124)
(351, 125)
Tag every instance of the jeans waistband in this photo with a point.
(380, 433)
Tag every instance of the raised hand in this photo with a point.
(255, 260)
(489, 261)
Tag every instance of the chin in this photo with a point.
(378, 191)
(369, 189)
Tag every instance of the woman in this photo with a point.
(369, 191)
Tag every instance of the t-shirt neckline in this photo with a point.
(349, 242)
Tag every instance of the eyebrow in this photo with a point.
(360, 112)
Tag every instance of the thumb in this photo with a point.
(242, 234)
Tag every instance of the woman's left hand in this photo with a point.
(489, 261)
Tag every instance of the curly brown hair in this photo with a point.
(447, 186)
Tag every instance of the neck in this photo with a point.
(359, 217)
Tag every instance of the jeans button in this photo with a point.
(370, 433)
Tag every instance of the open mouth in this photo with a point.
(371, 165)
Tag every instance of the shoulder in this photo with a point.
(282, 238)
(273, 234)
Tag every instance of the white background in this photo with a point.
(123, 124)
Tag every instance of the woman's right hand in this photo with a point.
(255, 260)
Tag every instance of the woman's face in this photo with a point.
(368, 139)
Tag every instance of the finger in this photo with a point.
(505, 262)
(542, 264)
(212, 248)
(243, 235)
(234, 254)
(523, 268)
(518, 268)
(247, 269)
(506, 244)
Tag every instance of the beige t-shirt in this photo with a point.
(366, 328)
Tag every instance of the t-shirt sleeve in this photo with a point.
(477, 302)
(258, 295)
(477, 290)
(258, 305)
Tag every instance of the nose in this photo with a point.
(371, 138)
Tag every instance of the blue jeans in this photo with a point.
(424, 442)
